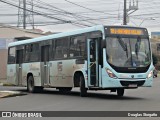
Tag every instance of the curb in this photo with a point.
(5, 94)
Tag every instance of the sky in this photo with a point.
(82, 13)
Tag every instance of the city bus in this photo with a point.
(112, 58)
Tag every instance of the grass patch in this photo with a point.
(8, 84)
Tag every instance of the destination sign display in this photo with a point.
(126, 31)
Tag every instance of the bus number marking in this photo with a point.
(59, 66)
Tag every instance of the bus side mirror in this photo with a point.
(103, 43)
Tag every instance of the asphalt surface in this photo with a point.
(141, 99)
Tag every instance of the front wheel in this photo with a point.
(120, 92)
(83, 90)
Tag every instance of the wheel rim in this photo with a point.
(30, 85)
(80, 83)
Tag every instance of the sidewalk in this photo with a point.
(3, 81)
(5, 94)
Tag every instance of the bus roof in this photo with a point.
(64, 34)
(57, 35)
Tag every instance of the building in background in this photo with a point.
(155, 42)
(10, 34)
(155, 35)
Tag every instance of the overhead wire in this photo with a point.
(37, 12)
(59, 12)
(64, 12)
(87, 7)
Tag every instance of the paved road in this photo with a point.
(141, 99)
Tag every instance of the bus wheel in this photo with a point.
(120, 92)
(30, 84)
(83, 90)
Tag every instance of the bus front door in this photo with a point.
(45, 65)
(92, 62)
(19, 61)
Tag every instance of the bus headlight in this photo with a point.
(150, 74)
(110, 73)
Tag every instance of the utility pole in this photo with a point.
(125, 14)
(25, 14)
(133, 6)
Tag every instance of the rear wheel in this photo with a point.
(83, 90)
(31, 87)
(120, 92)
(30, 84)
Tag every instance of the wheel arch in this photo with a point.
(29, 74)
(75, 77)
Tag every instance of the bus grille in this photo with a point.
(127, 83)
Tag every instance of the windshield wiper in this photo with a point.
(137, 46)
(126, 51)
(123, 45)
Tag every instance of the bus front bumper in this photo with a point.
(127, 83)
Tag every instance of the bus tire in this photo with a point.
(83, 90)
(30, 84)
(31, 87)
(120, 92)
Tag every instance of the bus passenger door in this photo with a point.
(92, 62)
(45, 65)
(19, 61)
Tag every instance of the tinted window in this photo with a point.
(32, 52)
(11, 55)
(19, 56)
(61, 48)
(77, 46)
(52, 50)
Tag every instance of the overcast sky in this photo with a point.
(84, 13)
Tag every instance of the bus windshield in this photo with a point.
(128, 52)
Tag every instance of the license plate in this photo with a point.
(132, 85)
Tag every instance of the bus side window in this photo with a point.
(32, 52)
(61, 48)
(27, 51)
(11, 55)
(77, 46)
